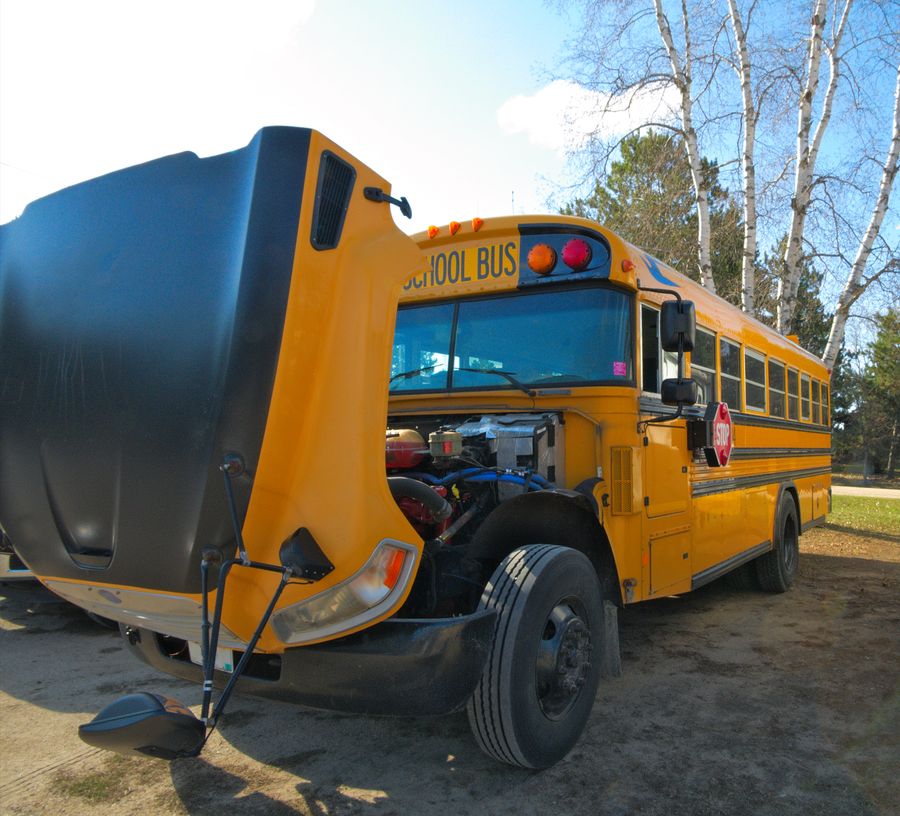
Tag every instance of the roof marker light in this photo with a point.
(433, 231)
(454, 227)
(542, 259)
(628, 266)
(477, 224)
(576, 254)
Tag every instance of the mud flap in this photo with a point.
(610, 655)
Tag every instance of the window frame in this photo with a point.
(805, 394)
(783, 391)
(795, 396)
(816, 402)
(760, 357)
(705, 369)
(661, 356)
(739, 379)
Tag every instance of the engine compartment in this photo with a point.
(448, 474)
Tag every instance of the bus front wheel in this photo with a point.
(777, 569)
(541, 675)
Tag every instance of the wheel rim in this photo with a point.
(789, 546)
(564, 658)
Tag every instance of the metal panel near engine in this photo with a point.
(534, 441)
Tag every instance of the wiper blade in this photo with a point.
(509, 376)
(408, 375)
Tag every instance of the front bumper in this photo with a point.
(397, 667)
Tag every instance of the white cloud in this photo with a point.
(563, 115)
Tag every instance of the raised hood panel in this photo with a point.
(141, 317)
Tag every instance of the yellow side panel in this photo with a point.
(670, 562)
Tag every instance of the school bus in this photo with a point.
(299, 454)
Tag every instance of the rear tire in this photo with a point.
(777, 569)
(540, 678)
(744, 577)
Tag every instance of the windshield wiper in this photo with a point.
(408, 375)
(509, 376)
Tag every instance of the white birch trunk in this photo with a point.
(853, 288)
(748, 165)
(681, 75)
(806, 154)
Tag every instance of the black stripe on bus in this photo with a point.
(718, 570)
(712, 486)
(777, 453)
(649, 405)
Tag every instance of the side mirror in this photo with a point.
(678, 321)
(679, 391)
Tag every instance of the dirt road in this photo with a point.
(732, 702)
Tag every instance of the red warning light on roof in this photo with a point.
(576, 254)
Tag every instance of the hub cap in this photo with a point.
(564, 659)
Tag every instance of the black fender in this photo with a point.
(563, 517)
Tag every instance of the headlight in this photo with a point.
(365, 595)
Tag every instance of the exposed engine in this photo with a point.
(447, 474)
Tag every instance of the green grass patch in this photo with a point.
(109, 784)
(866, 515)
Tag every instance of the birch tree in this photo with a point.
(854, 286)
(682, 66)
(748, 165)
(807, 151)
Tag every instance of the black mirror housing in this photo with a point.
(678, 320)
(679, 391)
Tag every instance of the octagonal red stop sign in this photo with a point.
(722, 434)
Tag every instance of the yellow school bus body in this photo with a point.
(675, 523)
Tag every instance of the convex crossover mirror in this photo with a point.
(678, 326)
(679, 391)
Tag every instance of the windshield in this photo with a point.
(574, 336)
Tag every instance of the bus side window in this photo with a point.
(755, 380)
(651, 353)
(649, 350)
(816, 403)
(730, 358)
(804, 397)
(776, 388)
(826, 406)
(793, 394)
(703, 365)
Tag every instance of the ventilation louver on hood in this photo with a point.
(336, 179)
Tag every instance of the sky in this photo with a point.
(454, 103)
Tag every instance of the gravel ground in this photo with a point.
(731, 702)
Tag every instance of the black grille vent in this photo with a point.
(336, 179)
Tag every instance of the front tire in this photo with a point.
(540, 678)
(777, 569)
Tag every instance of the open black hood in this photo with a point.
(141, 316)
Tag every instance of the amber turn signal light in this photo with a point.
(542, 259)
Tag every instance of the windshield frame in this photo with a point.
(502, 385)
